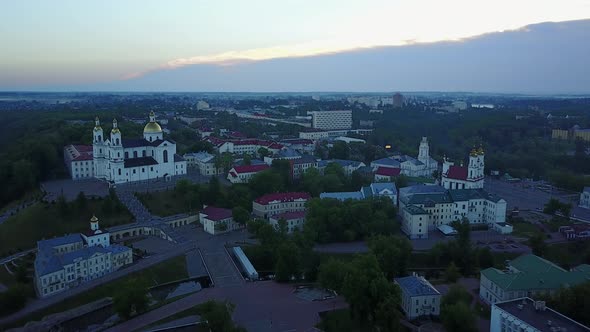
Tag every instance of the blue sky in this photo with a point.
(71, 42)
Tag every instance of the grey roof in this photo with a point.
(178, 158)
(305, 159)
(346, 163)
(202, 156)
(421, 189)
(414, 210)
(416, 286)
(466, 194)
(288, 153)
(386, 162)
(48, 262)
(342, 196)
(378, 187)
(139, 142)
(141, 161)
(59, 241)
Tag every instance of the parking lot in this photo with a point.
(526, 195)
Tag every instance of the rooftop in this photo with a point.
(282, 197)
(141, 161)
(524, 310)
(59, 241)
(250, 168)
(416, 286)
(456, 173)
(342, 196)
(533, 272)
(388, 162)
(387, 171)
(216, 214)
(414, 210)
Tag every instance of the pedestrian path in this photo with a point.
(221, 267)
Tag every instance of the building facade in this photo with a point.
(585, 198)
(423, 166)
(79, 161)
(424, 208)
(119, 160)
(71, 260)
(293, 220)
(528, 276)
(272, 204)
(331, 119)
(217, 220)
(243, 174)
(204, 162)
(461, 177)
(379, 189)
(419, 297)
(527, 315)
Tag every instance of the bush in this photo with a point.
(13, 299)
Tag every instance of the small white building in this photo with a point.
(68, 261)
(243, 174)
(204, 162)
(277, 203)
(79, 161)
(293, 220)
(217, 220)
(502, 227)
(527, 315)
(419, 297)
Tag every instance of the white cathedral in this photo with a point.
(119, 160)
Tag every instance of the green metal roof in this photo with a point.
(534, 272)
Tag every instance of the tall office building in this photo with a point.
(398, 100)
(332, 119)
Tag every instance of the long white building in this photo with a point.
(71, 260)
(119, 160)
(331, 119)
(424, 208)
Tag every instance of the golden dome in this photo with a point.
(152, 127)
(94, 218)
(480, 151)
(115, 131)
(473, 152)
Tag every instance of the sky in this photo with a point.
(72, 43)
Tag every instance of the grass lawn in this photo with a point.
(165, 203)
(568, 254)
(43, 220)
(170, 270)
(525, 229)
(556, 222)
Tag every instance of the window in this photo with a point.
(134, 154)
(126, 155)
(133, 171)
(143, 153)
(119, 171)
(118, 142)
(143, 170)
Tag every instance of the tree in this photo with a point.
(452, 273)
(263, 152)
(571, 302)
(552, 206)
(182, 187)
(339, 150)
(392, 253)
(458, 317)
(401, 181)
(81, 201)
(538, 245)
(132, 298)
(247, 159)
(240, 215)
(213, 191)
(62, 205)
(485, 258)
(455, 295)
(368, 291)
(310, 182)
(13, 299)
(267, 181)
(332, 273)
(288, 264)
(217, 316)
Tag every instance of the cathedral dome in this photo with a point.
(152, 127)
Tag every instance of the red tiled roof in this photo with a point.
(302, 141)
(289, 215)
(216, 214)
(388, 171)
(457, 173)
(250, 168)
(282, 197)
(83, 148)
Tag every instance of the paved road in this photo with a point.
(263, 306)
(15, 256)
(518, 195)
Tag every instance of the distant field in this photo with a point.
(43, 220)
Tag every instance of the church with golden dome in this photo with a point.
(120, 160)
(465, 177)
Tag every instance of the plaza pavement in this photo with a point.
(263, 306)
